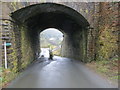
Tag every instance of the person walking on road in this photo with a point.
(50, 55)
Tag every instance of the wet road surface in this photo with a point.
(59, 73)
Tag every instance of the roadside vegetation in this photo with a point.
(108, 69)
(6, 76)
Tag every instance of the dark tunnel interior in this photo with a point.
(72, 24)
(53, 19)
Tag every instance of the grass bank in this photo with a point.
(108, 69)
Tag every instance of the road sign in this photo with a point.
(8, 44)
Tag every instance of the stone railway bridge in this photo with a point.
(82, 24)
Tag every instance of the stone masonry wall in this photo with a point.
(102, 41)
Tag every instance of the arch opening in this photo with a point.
(50, 39)
(32, 20)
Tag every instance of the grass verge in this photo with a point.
(108, 69)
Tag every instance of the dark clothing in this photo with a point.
(50, 55)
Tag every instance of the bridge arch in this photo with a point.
(35, 18)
